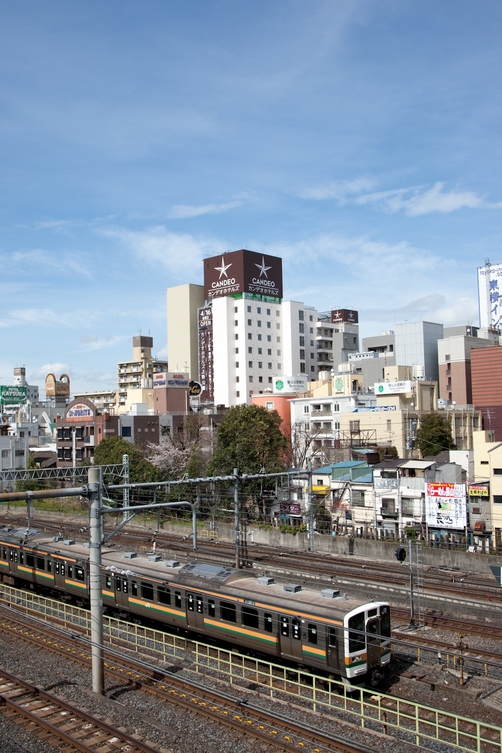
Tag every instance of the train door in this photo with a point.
(121, 591)
(373, 642)
(60, 574)
(195, 611)
(290, 637)
(333, 648)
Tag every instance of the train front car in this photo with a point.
(367, 634)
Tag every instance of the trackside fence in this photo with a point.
(405, 720)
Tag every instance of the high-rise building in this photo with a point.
(416, 346)
(135, 377)
(183, 304)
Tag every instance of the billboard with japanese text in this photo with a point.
(243, 272)
(490, 295)
(445, 506)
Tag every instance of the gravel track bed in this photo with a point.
(161, 724)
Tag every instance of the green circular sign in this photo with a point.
(380, 388)
(279, 385)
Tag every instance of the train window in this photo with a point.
(284, 626)
(211, 608)
(118, 584)
(63, 568)
(249, 617)
(21, 558)
(200, 605)
(295, 628)
(190, 602)
(357, 640)
(125, 585)
(49, 566)
(332, 638)
(108, 582)
(40, 563)
(4, 553)
(57, 568)
(267, 622)
(177, 599)
(372, 627)
(385, 621)
(79, 574)
(70, 571)
(11, 554)
(134, 588)
(312, 633)
(372, 612)
(164, 595)
(147, 591)
(30, 560)
(228, 611)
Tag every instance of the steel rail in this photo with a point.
(73, 726)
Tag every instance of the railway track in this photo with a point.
(60, 722)
(238, 713)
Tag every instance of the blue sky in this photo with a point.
(360, 140)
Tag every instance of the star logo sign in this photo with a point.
(263, 269)
(223, 269)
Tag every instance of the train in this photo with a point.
(322, 630)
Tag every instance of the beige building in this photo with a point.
(485, 489)
(135, 377)
(183, 302)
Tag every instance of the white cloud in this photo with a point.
(413, 201)
(37, 257)
(57, 369)
(180, 253)
(45, 317)
(94, 342)
(185, 211)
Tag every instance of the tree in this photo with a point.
(249, 438)
(169, 459)
(434, 435)
(110, 451)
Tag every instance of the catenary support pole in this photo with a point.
(95, 493)
(311, 510)
(412, 596)
(236, 519)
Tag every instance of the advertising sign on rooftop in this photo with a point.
(446, 506)
(349, 316)
(490, 295)
(12, 395)
(80, 412)
(243, 272)
(290, 384)
(392, 388)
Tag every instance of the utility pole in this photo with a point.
(412, 599)
(125, 481)
(311, 510)
(95, 487)
(236, 520)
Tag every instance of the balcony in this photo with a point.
(90, 441)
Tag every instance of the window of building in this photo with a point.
(269, 351)
(407, 505)
(389, 424)
(497, 471)
(278, 338)
(236, 310)
(302, 355)
(497, 499)
(277, 326)
(237, 364)
(260, 379)
(279, 366)
(301, 327)
(484, 462)
(268, 312)
(5, 453)
(336, 424)
(269, 406)
(311, 343)
(237, 337)
(250, 349)
(237, 379)
(306, 408)
(19, 453)
(250, 336)
(260, 351)
(251, 378)
(236, 322)
(250, 364)
(249, 309)
(259, 337)
(354, 427)
(250, 321)
(269, 325)
(237, 394)
(269, 338)
(269, 365)
(236, 351)
(311, 330)
(258, 309)
(388, 506)
(302, 340)
(311, 318)
(260, 364)
(357, 498)
(301, 315)
(302, 368)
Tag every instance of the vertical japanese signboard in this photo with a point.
(446, 506)
(206, 370)
(490, 295)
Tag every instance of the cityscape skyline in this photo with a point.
(358, 142)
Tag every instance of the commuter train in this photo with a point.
(321, 630)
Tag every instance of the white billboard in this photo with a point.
(392, 388)
(171, 379)
(290, 384)
(446, 506)
(490, 295)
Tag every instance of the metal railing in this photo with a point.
(411, 722)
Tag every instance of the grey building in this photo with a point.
(417, 346)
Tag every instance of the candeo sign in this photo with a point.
(243, 272)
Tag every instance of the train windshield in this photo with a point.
(385, 621)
